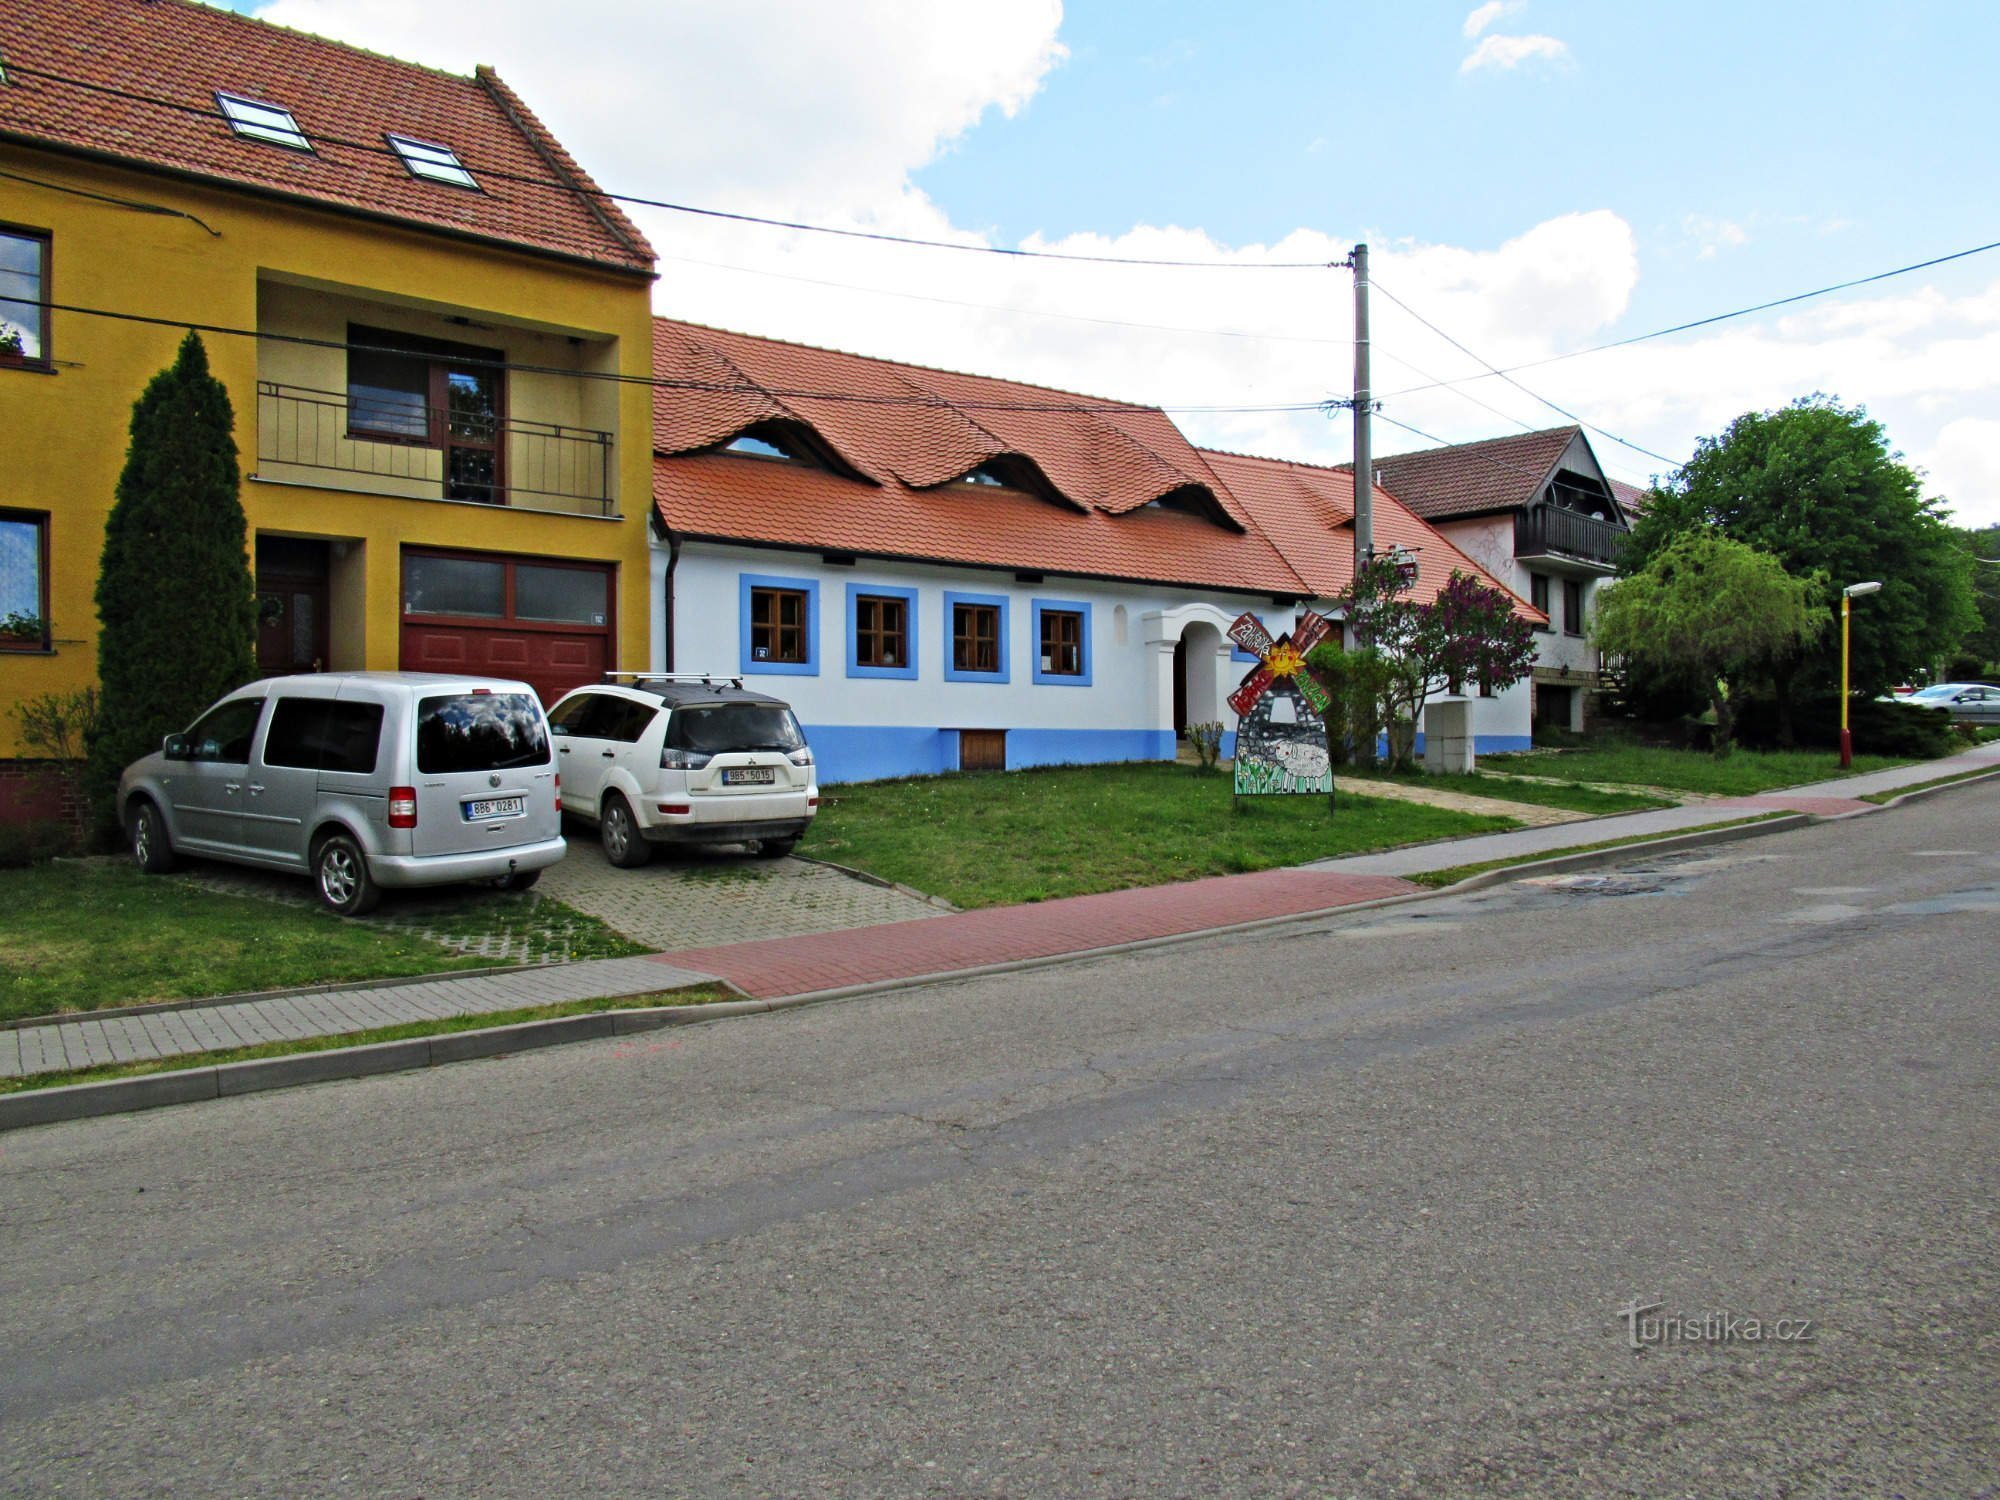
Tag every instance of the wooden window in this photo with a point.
(1538, 595)
(403, 388)
(24, 281)
(881, 631)
(778, 625)
(975, 637)
(1572, 607)
(1062, 643)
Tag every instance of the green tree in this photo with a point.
(1984, 640)
(1815, 486)
(175, 606)
(1469, 632)
(1710, 611)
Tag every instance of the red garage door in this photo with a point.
(547, 623)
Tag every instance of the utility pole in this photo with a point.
(1364, 457)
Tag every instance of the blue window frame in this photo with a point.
(872, 625)
(1061, 637)
(777, 634)
(975, 630)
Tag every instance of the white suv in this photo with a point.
(683, 760)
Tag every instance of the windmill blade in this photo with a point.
(1312, 692)
(1312, 628)
(1254, 683)
(1249, 633)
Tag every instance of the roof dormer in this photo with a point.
(1013, 471)
(776, 440)
(1196, 500)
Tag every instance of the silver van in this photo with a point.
(361, 779)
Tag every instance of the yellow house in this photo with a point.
(434, 329)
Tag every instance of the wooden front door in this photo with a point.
(292, 597)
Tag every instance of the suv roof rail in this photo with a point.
(706, 679)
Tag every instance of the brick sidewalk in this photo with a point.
(1046, 929)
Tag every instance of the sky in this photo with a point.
(1532, 177)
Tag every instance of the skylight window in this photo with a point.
(263, 122)
(985, 474)
(431, 162)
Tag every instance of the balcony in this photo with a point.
(307, 436)
(1548, 533)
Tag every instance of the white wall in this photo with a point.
(870, 726)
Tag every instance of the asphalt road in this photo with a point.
(1347, 1207)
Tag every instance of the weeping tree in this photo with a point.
(176, 607)
(1711, 612)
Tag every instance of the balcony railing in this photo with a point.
(305, 435)
(1551, 531)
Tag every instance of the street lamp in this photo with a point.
(1847, 598)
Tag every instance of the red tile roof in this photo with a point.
(1307, 510)
(1631, 498)
(1467, 478)
(1277, 528)
(136, 80)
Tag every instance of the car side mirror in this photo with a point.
(175, 747)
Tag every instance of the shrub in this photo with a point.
(34, 843)
(1207, 742)
(1878, 728)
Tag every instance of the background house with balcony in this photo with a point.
(426, 317)
(1539, 513)
(944, 571)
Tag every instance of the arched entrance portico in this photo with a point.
(1198, 655)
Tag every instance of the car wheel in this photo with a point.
(519, 880)
(340, 871)
(152, 851)
(776, 848)
(624, 845)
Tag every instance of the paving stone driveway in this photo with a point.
(695, 898)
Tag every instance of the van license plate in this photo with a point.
(494, 807)
(750, 776)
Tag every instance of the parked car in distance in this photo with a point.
(363, 780)
(1969, 702)
(683, 760)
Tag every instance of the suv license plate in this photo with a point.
(750, 776)
(494, 807)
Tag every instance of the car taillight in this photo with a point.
(802, 756)
(683, 760)
(558, 791)
(402, 807)
(812, 802)
(676, 809)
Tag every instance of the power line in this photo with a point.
(1031, 312)
(1565, 411)
(1079, 404)
(487, 172)
(1741, 312)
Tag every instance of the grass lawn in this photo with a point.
(1574, 798)
(1741, 774)
(83, 936)
(995, 838)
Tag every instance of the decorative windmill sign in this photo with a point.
(1280, 734)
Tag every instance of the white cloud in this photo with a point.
(1509, 52)
(1712, 236)
(819, 110)
(1488, 13)
(701, 105)
(1965, 469)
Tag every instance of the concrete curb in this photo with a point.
(876, 880)
(246, 997)
(122, 1095)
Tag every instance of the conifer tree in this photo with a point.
(175, 605)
